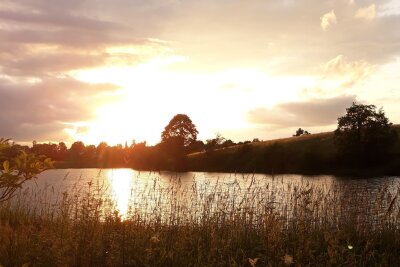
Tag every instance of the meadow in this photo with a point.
(307, 154)
(259, 224)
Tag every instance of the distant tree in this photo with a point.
(140, 156)
(49, 150)
(228, 143)
(256, 140)
(364, 131)
(214, 143)
(301, 132)
(180, 127)
(196, 146)
(102, 154)
(77, 147)
(76, 151)
(101, 146)
(62, 151)
(89, 155)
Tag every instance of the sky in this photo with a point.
(114, 71)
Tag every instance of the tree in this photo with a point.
(16, 170)
(301, 132)
(180, 130)
(364, 132)
(62, 151)
(176, 139)
(214, 143)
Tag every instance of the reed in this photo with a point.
(243, 223)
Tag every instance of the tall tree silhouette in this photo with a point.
(364, 132)
(180, 129)
(176, 139)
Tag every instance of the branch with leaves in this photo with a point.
(15, 171)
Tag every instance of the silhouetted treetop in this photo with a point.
(364, 130)
(301, 132)
(180, 127)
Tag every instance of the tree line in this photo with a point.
(365, 143)
(364, 135)
(178, 139)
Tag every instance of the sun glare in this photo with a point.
(120, 181)
(151, 94)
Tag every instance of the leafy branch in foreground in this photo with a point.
(15, 171)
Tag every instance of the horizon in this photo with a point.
(95, 71)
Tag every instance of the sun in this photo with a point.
(153, 92)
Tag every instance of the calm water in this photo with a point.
(148, 191)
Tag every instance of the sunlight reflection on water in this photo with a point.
(149, 192)
(120, 181)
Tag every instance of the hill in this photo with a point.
(308, 154)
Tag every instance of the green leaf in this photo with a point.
(18, 162)
(49, 163)
(6, 166)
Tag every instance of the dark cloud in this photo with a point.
(315, 112)
(78, 40)
(40, 43)
(41, 109)
(28, 132)
(38, 64)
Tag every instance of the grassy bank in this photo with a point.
(242, 224)
(309, 154)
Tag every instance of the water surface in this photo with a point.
(196, 192)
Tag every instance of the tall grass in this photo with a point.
(205, 224)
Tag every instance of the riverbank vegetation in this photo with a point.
(245, 223)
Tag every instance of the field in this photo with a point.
(297, 224)
(309, 154)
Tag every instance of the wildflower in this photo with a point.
(350, 247)
(287, 259)
(253, 262)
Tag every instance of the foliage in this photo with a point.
(301, 132)
(214, 143)
(218, 142)
(19, 169)
(364, 132)
(180, 129)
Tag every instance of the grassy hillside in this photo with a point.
(314, 153)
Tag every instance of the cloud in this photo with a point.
(314, 112)
(367, 13)
(328, 19)
(43, 109)
(42, 42)
(38, 38)
(348, 72)
(37, 64)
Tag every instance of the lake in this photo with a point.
(145, 192)
(192, 194)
